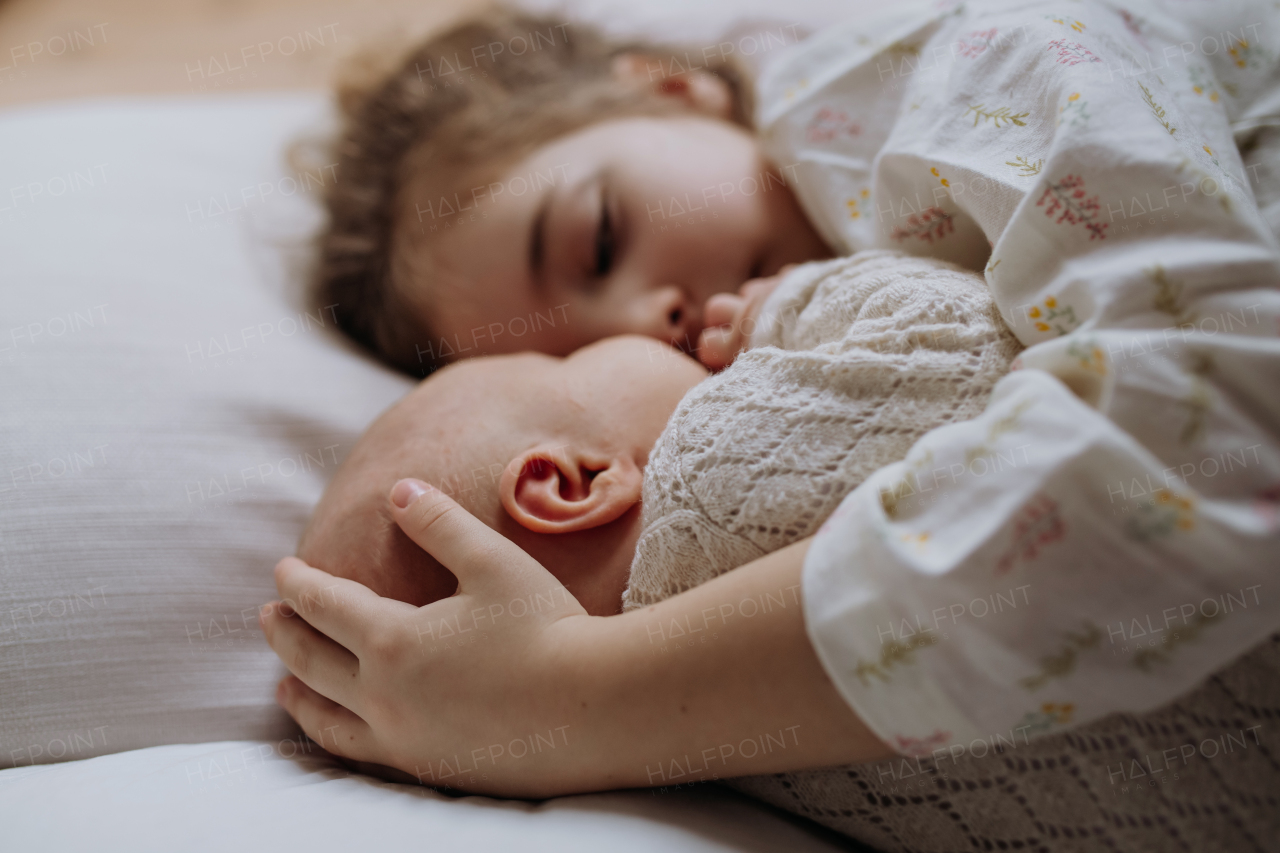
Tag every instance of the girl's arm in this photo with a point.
(718, 681)
(508, 687)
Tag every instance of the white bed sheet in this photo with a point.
(263, 795)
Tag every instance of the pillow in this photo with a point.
(754, 31)
(171, 415)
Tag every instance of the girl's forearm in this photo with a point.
(718, 681)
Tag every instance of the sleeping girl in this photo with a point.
(543, 202)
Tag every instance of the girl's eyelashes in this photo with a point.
(605, 240)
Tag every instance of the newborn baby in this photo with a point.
(848, 362)
(547, 451)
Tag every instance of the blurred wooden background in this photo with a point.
(60, 49)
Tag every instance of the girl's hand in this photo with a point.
(731, 320)
(508, 687)
(468, 692)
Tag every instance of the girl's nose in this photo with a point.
(672, 317)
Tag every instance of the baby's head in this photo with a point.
(548, 451)
(493, 199)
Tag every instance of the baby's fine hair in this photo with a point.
(429, 121)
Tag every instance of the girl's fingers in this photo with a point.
(317, 660)
(327, 723)
(721, 309)
(345, 611)
(717, 346)
(481, 558)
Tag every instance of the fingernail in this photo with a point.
(407, 491)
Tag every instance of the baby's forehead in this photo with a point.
(628, 364)
(489, 369)
(475, 386)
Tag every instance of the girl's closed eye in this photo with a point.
(605, 238)
(603, 242)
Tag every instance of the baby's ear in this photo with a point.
(559, 489)
(701, 90)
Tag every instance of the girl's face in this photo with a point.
(626, 226)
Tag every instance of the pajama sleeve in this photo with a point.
(1107, 533)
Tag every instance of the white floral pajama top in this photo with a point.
(1107, 533)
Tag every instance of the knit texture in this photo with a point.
(854, 360)
(858, 358)
(1199, 776)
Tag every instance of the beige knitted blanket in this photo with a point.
(859, 357)
(854, 360)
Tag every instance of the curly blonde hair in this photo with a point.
(414, 125)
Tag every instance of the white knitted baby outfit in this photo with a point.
(853, 361)
(858, 358)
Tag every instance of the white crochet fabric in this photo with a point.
(854, 360)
